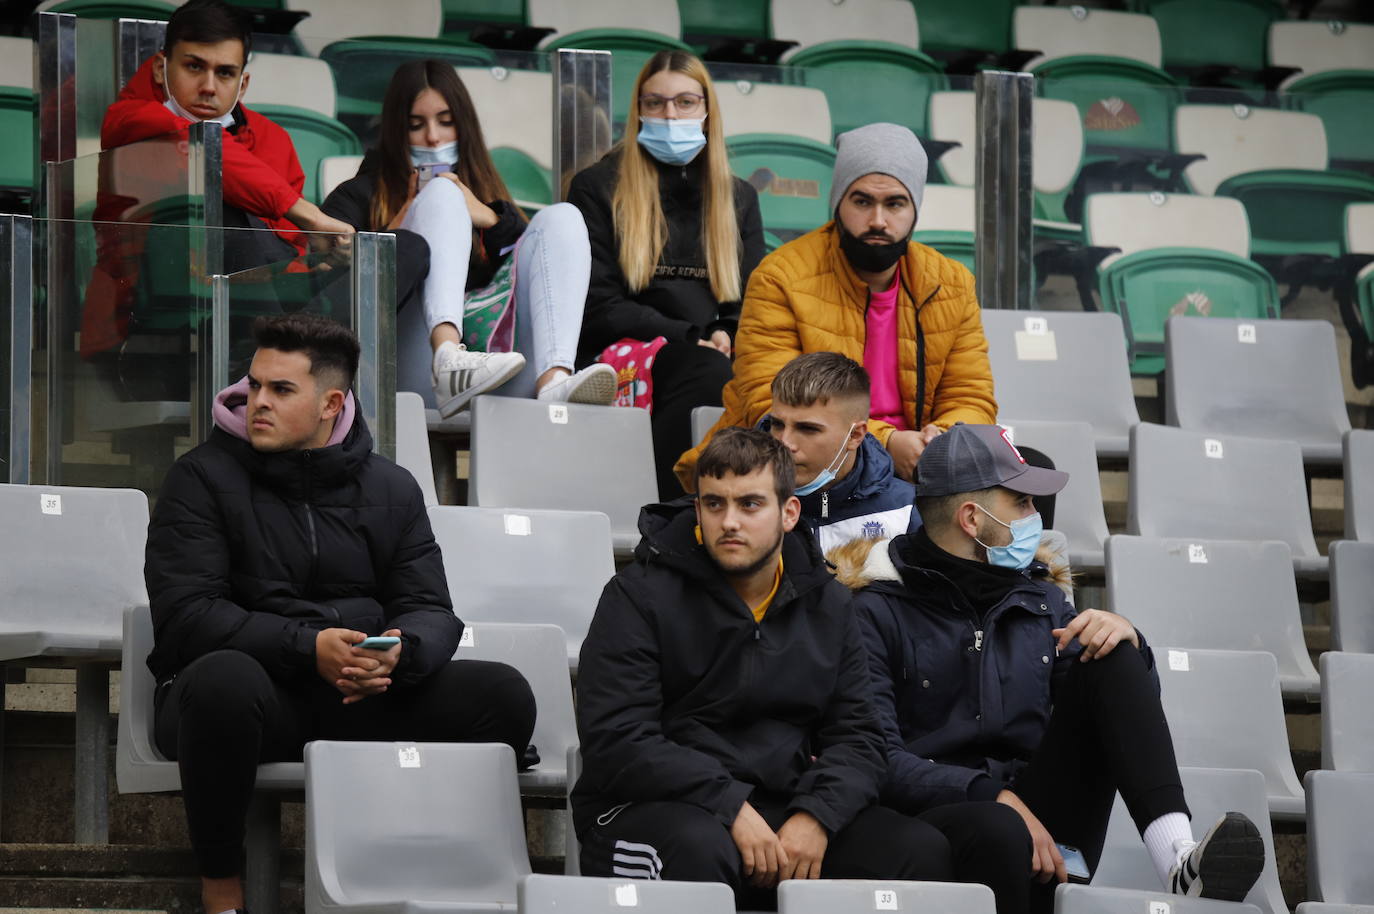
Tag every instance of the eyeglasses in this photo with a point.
(686, 103)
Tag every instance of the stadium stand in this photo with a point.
(331, 20)
(1352, 596)
(111, 9)
(822, 896)
(17, 107)
(521, 147)
(1340, 806)
(1078, 512)
(412, 443)
(542, 894)
(947, 222)
(1355, 291)
(1358, 463)
(703, 417)
(1335, 81)
(950, 34)
(1321, 907)
(758, 107)
(1196, 50)
(1347, 726)
(1083, 899)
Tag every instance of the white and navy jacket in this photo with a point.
(871, 502)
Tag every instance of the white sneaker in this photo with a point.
(460, 375)
(594, 384)
(1224, 864)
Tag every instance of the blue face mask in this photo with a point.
(447, 154)
(826, 476)
(672, 142)
(1025, 539)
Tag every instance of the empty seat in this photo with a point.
(569, 457)
(363, 67)
(412, 443)
(1352, 596)
(816, 22)
(540, 894)
(539, 652)
(1358, 462)
(1194, 46)
(444, 830)
(1340, 806)
(298, 94)
(522, 565)
(792, 176)
(1211, 793)
(951, 31)
(825, 896)
(1347, 725)
(17, 114)
(1224, 595)
(521, 147)
(1057, 32)
(703, 417)
(755, 107)
(112, 9)
(334, 170)
(1335, 81)
(331, 20)
(1040, 360)
(947, 222)
(1265, 379)
(1225, 711)
(1195, 484)
(1090, 899)
(1078, 512)
(1323, 907)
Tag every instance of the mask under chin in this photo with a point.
(870, 258)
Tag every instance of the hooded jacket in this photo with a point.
(682, 696)
(805, 297)
(871, 502)
(964, 700)
(677, 304)
(257, 552)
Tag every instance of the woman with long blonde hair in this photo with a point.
(674, 236)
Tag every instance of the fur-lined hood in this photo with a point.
(865, 560)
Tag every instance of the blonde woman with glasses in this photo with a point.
(674, 237)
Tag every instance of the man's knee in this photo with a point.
(990, 830)
(225, 684)
(503, 695)
(882, 843)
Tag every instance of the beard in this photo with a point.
(751, 566)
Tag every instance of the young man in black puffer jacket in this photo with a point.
(275, 548)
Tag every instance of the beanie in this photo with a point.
(888, 149)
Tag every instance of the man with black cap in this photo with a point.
(991, 686)
(859, 286)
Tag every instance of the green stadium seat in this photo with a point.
(946, 222)
(1335, 81)
(112, 9)
(521, 147)
(316, 137)
(754, 107)
(1197, 50)
(363, 68)
(792, 176)
(461, 16)
(331, 20)
(959, 31)
(1356, 293)
(17, 112)
(729, 29)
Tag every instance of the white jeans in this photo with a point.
(552, 269)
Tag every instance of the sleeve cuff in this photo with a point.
(983, 787)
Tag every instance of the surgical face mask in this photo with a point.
(672, 141)
(1025, 539)
(444, 154)
(869, 258)
(225, 120)
(827, 475)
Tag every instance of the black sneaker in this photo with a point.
(1224, 864)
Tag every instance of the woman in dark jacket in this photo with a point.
(674, 236)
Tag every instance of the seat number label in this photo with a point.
(1196, 554)
(884, 900)
(51, 504)
(408, 756)
(1246, 333)
(1212, 448)
(558, 413)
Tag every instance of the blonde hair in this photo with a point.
(638, 209)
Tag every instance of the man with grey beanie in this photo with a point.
(860, 287)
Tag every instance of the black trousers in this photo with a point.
(686, 375)
(223, 715)
(968, 842)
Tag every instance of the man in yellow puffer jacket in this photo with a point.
(858, 286)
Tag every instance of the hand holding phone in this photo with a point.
(426, 173)
(378, 643)
(1074, 863)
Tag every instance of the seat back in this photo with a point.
(444, 824)
(287, 79)
(1347, 725)
(1091, 899)
(703, 418)
(1073, 31)
(824, 896)
(1187, 30)
(16, 62)
(1194, 484)
(1211, 793)
(1317, 47)
(334, 170)
(1352, 596)
(1225, 711)
(1238, 138)
(534, 567)
(1057, 143)
(946, 25)
(139, 767)
(813, 22)
(412, 443)
(1340, 806)
(754, 107)
(331, 20)
(496, 92)
(540, 894)
(1137, 222)
(947, 208)
(1078, 512)
(566, 18)
(1216, 594)
(316, 137)
(1358, 460)
(792, 177)
(1359, 228)
(563, 456)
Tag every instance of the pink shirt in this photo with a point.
(880, 355)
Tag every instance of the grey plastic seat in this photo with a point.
(1225, 711)
(412, 443)
(506, 565)
(1326, 907)
(1352, 596)
(1258, 378)
(1359, 485)
(1347, 725)
(703, 417)
(572, 849)
(1078, 512)
(538, 652)
(564, 456)
(541, 894)
(825, 896)
(1090, 899)
(1217, 594)
(1211, 793)
(1064, 367)
(1340, 806)
(1196, 484)
(444, 829)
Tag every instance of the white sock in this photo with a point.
(1167, 839)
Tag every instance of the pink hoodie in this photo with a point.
(231, 413)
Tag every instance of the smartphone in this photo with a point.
(379, 643)
(1074, 863)
(426, 173)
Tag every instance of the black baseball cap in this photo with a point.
(970, 458)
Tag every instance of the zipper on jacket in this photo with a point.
(977, 640)
(825, 505)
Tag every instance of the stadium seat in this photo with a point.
(540, 894)
(1169, 255)
(1322, 907)
(522, 565)
(412, 443)
(947, 222)
(703, 417)
(1214, 594)
(298, 93)
(1340, 806)
(1078, 512)
(1039, 360)
(363, 68)
(1335, 81)
(570, 457)
(1264, 379)
(572, 850)
(754, 107)
(444, 830)
(1347, 725)
(1355, 291)
(1195, 484)
(825, 896)
(112, 9)
(1211, 793)
(331, 20)
(17, 116)
(963, 34)
(1225, 711)
(1275, 162)
(1352, 596)
(539, 652)
(792, 176)
(1196, 49)
(521, 147)
(334, 170)
(1090, 899)
(1358, 460)
(729, 29)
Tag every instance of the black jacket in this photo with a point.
(351, 202)
(683, 697)
(257, 552)
(677, 303)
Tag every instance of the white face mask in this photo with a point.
(225, 120)
(443, 154)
